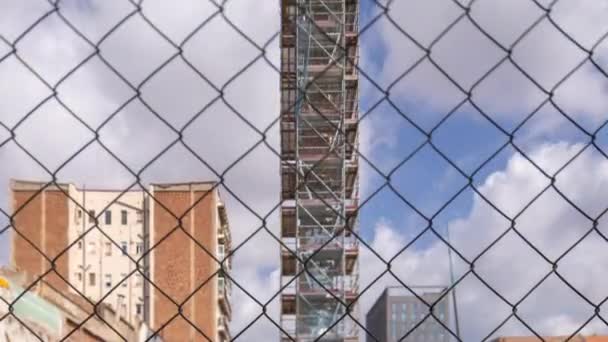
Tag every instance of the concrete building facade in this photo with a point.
(398, 312)
(48, 314)
(105, 243)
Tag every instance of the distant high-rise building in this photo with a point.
(398, 312)
(175, 234)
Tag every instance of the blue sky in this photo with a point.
(466, 138)
(427, 181)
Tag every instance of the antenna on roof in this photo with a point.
(454, 303)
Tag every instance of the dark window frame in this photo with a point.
(123, 217)
(108, 217)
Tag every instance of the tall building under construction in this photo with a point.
(319, 165)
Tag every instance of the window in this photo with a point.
(221, 285)
(139, 248)
(92, 279)
(124, 282)
(137, 280)
(91, 247)
(140, 217)
(79, 276)
(123, 308)
(91, 216)
(123, 217)
(108, 280)
(108, 249)
(108, 217)
(124, 247)
(79, 244)
(220, 252)
(138, 309)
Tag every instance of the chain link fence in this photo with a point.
(487, 116)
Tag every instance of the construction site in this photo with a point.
(319, 170)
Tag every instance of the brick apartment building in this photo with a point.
(96, 238)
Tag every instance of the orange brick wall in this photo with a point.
(181, 266)
(205, 299)
(39, 216)
(597, 339)
(57, 221)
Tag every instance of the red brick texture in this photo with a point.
(42, 218)
(181, 266)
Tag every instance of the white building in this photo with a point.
(103, 263)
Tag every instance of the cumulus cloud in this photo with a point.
(224, 142)
(139, 129)
(466, 54)
(511, 266)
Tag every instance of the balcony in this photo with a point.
(223, 233)
(222, 329)
(224, 292)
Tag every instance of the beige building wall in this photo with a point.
(61, 223)
(103, 261)
(51, 221)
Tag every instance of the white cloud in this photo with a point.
(466, 54)
(219, 136)
(511, 267)
(134, 134)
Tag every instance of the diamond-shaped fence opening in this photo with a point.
(314, 170)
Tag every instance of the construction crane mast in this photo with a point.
(319, 167)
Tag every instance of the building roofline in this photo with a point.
(29, 185)
(385, 292)
(32, 185)
(438, 287)
(184, 186)
(410, 290)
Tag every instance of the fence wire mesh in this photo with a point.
(446, 98)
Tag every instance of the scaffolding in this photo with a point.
(319, 166)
